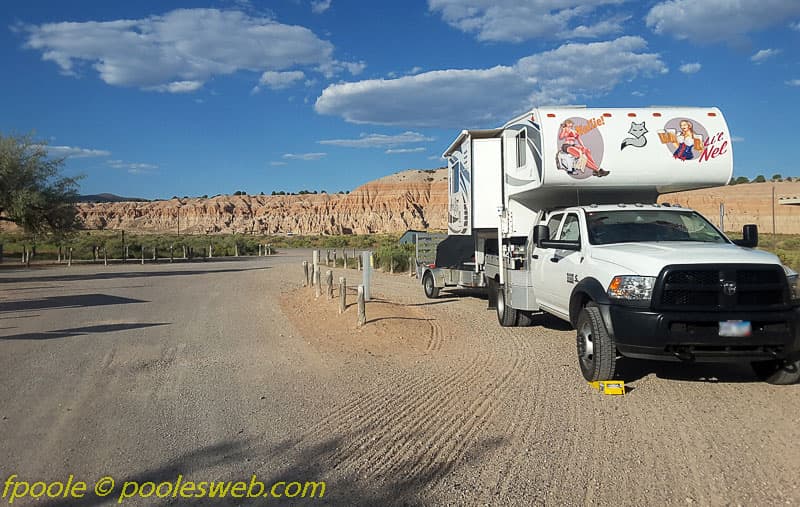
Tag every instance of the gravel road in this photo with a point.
(220, 370)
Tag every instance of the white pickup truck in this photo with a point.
(657, 282)
(540, 198)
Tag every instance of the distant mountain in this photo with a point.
(95, 198)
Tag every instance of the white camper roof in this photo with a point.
(472, 134)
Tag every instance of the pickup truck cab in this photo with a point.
(658, 282)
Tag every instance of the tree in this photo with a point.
(777, 177)
(742, 179)
(33, 192)
(760, 179)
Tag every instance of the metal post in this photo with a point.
(342, 295)
(105, 257)
(314, 261)
(316, 282)
(142, 255)
(259, 249)
(305, 273)
(362, 307)
(184, 251)
(155, 254)
(127, 253)
(367, 273)
(329, 282)
(69, 261)
(210, 252)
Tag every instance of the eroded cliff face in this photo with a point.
(413, 199)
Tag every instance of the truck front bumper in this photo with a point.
(694, 336)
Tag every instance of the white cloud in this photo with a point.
(178, 87)
(75, 152)
(795, 26)
(793, 82)
(517, 21)
(481, 97)
(764, 54)
(690, 68)
(180, 50)
(717, 20)
(320, 6)
(378, 140)
(280, 80)
(304, 156)
(737, 139)
(277, 163)
(392, 151)
(133, 167)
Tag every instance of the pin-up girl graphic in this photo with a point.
(571, 144)
(687, 141)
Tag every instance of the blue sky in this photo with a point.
(157, 98)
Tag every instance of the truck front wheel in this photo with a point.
(597, 353)
(506, 315)
(431, 290)
(780, 373)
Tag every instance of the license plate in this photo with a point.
(735, 328)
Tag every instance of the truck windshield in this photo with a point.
(637, 225)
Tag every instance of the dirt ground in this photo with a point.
(462, 411)
(221, 370)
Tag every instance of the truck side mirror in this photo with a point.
(749, 236)
(540, 233)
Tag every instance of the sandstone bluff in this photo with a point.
(415, 199)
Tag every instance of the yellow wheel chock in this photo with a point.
(616, 387)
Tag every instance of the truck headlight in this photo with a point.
(794, 287)
(631, 287)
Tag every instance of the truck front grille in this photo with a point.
(721, 287)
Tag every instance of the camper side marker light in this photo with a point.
(631, 115)
(551, 115)
(712, 114)
(607, 115)
(657, 115)
(616, 387)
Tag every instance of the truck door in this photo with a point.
(560, 268)
(541, 265)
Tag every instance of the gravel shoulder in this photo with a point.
(221, 370)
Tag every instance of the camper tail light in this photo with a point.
(631, 287)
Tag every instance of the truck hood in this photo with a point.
(647, 259)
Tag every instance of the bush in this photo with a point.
(390, 254)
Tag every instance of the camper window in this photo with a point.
(521, 148)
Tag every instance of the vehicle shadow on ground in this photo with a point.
(79, 331)
(125, 274)
(631, 370)
(69, 301)
(548, 321)
(298, 462)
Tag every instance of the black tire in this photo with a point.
(506, 315)
(524, 319)
(780, 373)
(597, 354)
(431, 290)
(491, 292)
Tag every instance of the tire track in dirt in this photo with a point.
(435, 342)
(397, 419)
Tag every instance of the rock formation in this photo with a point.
(415, 199)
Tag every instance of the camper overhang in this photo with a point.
(474, 134)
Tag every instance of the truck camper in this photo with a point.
(561, 206)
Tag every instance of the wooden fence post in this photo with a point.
(171, 254)
(342, 295)
(142, 255)
(305, 273)
(155, 254)
(362, 310)
(329, 282)
(69, 260)
(184, 251)
(316, 282)
(105, 257)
